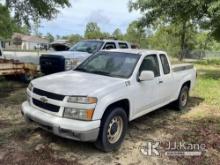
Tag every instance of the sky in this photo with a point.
(109, 14)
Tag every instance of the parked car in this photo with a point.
(96, 101)
(41, 47)
(66, 60)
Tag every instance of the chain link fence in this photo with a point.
(201, 54)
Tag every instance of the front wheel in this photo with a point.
(113, 129)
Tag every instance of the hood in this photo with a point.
(78, 83)
(70, 54)
(60, 46)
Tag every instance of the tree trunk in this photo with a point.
(7, 3)
(183, 41)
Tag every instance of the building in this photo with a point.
(25, 42)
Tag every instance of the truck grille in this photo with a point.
(46, 106)
(48, 94)
(52, 64)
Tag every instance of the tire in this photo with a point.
(26, 78)
(183, 98)
(113, 129)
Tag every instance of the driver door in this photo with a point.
(145, 92)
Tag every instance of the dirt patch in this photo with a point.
(22, 143)
(4, 124)
(42, 156)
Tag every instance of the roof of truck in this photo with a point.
(137, 51)
(106, 40)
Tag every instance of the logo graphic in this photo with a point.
(44, 99)
(150, 149)
(168, 148)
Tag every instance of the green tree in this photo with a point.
(117, 34)
(180, 12)
(92, 31)
(27, 10)
(35, 27)
(106, 35)
(74, 38)
(136, 34)
(50, 37)
(6, 23)
(25, 30)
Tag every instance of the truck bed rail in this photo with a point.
(182, 67)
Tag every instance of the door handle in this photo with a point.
(160, 82)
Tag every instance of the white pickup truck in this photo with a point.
(53, 62)
(96, 101)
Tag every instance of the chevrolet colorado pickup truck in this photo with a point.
(66, 60)
(95, 101)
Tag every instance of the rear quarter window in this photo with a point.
(110, 45)
(123, 45)
(165, 64)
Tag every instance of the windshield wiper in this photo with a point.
(81, 70)
(101, 73)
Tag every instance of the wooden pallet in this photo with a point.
(12, 67)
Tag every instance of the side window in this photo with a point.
(110, 45)
(123, 45)
(165, 64)
(150, 63)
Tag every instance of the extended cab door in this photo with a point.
(166, 87)
(145, 93)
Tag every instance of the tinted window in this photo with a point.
(87, 46)
(110, 64)
(110, 45)
(123, 45)
(150, 63)
(165, 64)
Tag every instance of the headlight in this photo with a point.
(71, 64)
(82, 100)
(78, 114)
(30, 87)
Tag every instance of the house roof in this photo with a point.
(30, 38)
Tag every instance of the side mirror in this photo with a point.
(146, 76)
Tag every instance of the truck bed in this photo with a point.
(181, 67)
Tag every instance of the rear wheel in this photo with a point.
(182, 100)
(113, 129)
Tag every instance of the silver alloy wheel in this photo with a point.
(115, 129)
(184, 98)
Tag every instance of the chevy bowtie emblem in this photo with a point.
(44, 99)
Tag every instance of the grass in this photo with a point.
(208, 83)
(212, 61)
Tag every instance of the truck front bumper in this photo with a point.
(67, 128)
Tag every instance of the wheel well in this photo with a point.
(188, 84)
(122, 103)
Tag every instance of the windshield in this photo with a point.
(87, 46)
(112, 64)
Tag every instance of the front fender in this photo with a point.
(103, 104)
